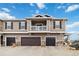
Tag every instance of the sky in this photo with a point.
(58, 10)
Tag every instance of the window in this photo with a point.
(8, 25)
(57, 25)
(22, 25)
(54, 24)
(61, 24)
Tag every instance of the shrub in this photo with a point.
(75, 44)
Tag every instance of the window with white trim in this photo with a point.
(22, 25)
(8, 25)
(57, 24)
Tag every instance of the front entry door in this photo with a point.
(50, 41)
(10, 41)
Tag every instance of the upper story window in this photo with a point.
(22, 25)
(57, 24)
(61, 25)
(8, 25)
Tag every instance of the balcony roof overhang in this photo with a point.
(31, 32)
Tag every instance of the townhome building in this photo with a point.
(39, 30)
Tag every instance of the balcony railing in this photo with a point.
(38, 28)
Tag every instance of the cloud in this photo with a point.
(31, 4)
(6, 16)
(73, 25)
(61, 7)
(37, 12)
(5, 9)
(13, 7)
(72, 32)
(40, 5)
(72, 8)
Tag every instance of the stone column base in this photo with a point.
(43, 43)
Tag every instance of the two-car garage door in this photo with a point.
(30, 41)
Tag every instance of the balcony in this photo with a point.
(38, 28)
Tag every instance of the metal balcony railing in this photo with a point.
(38, 28)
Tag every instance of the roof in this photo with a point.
(12, 20)
(39, 15)
(44, 17)
(35, 17)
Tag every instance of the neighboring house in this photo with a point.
(32, 31)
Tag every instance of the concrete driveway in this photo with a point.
(37, 51)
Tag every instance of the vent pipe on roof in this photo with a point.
(47, 15)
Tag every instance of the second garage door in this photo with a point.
(10, 41)
(30, 41)
(50, 41)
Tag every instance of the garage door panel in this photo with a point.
(30, 41)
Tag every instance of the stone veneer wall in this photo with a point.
(1, 25)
